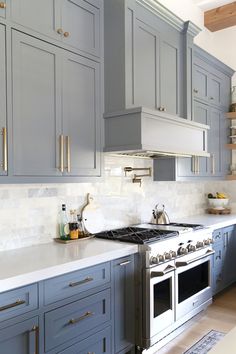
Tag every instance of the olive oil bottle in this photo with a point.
(64, 230)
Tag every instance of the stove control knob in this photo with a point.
(199, 244)
(191, 248)
(173, 254)
(182, 251)
(207, 242)
(154, 260)
(162, 258)
(168, 255)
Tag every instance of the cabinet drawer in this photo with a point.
(76, 319)
(217, 236)
(19, 301)
(76, 282)
(218, 281)
(99, 343)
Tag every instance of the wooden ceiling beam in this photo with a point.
(221, 17)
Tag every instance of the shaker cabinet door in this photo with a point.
(41, 16)
(81, 25)
(81, 115)
(200, 82)
(3, 118)
(170, 77)
(36, 107)
(20, 338)
(215, 167)
(146, 78)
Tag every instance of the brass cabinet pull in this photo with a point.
(81, 282)
(76, 320)
(68, 154)
(122, 264)
(61, 168)
(213, 171)
(195, 165)
(35, 329)
(5, 159)
(60, 31)
(198, 165)
(14, 304)
(66, 34)
(3, 5)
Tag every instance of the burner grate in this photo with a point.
(136, 235)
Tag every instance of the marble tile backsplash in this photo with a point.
(29, 213)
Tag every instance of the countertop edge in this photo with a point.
(54, 271)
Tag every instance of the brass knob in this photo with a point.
(66, 34)
(2, 5)
(60, 31)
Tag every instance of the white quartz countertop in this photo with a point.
(210, 220)
(31, 264)
(226, 345)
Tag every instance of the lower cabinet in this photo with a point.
(21, 338)
(224, 271)
(99, 343)
(123, 304)
(96, 318)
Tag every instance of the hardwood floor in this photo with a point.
(221, 316)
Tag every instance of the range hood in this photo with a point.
(141, 132)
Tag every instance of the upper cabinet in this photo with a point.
(56, 124)
(211, 80)
(3, 115)
(74, 23)
(143, 59)
(51, 93)
(156, 64)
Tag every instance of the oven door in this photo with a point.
(159, 298)
(193, 282)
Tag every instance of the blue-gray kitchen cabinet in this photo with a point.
(56, 111)
(72, 23)
(81, 115)
(20, 338)
(124, 304)
(143, 58)
(211, 79)
(36, 102)
(99, 343)
(76, 319)
(224, 272)
(3, 116)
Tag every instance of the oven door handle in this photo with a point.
(185, 263)
(167, 270)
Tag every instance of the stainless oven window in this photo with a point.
(162, 300)
(192, 281)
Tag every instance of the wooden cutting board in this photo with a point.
(92, 216)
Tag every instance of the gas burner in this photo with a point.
(186, 225)
(137, 235)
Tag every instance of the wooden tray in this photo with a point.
(225, 211)
(59, 240)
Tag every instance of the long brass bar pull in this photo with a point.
(192, 164)
(61, 168)
(5, 159)
(213, 170)
(122, 264)
(81, 282)
(14, 304)
(68, 154)
(35, 329)
(76, 320)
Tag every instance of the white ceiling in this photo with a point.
(211, 4)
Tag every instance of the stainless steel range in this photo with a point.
(175, 275)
